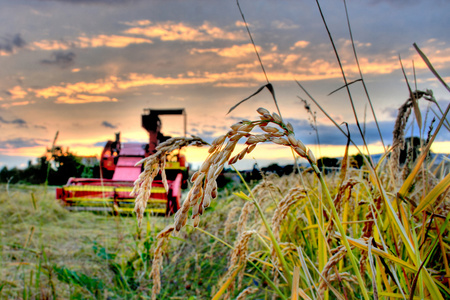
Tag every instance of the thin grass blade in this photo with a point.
(430, 66)
(346, 85)
(433, 195)
(372, 268)
(252, 95)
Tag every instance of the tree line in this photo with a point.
(55, 169)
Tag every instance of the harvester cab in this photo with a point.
(111, 192)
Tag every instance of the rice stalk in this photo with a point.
(246, 292)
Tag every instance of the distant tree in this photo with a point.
(35, 174)
(357, 161)
(65, 165)
(327, 163)
(412, 148)
(273, 168)
(4, 174)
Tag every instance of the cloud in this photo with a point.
(102, 40)
(108, 125)
(233, 51)
(51, 45)
(82, 99)
(40, 127)
(60, 58)
(9, 44)
(300, 44)
(19, 103)
(19, 122)
(84, 92)
(17, 92)
(17, 143)
(285, 25)
(137, 23)
(330, 135)
(71, 89)
(113, 41)
(171, 31)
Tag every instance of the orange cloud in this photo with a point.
(234, 51)
(300, 44)
(50, 45)
(102, 40)
(98, 87)
(82, 99)
(84, 92)
(240, 24)
(113, 41)
(21, 103)
(234, 84)
(135, 80)
(17, 92)
(137, 23)
(170, 31)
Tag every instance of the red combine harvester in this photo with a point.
(118, 172)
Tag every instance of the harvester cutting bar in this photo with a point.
(112, 195)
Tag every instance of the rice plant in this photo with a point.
(378, 232)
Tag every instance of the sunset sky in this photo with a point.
(88, 68)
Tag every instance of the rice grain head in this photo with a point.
(153, 165)
(155, 273)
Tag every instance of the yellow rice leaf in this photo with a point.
(363, 245)
(404, 189)
(433, 195)
(384, 277)
(405, 221)
(242, 196)
(295, 278)
(417, 113)
(382, 158)
(303, 294)
(396, 295)
(227, 283)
